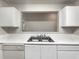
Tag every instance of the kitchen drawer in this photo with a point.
(13, 54)
(13, 48)
(67, 47)
(0, 47)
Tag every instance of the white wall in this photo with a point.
(39, 7)
(35, 7)
(40, 26)
(34, 22)
(2, 3)
(76, 3)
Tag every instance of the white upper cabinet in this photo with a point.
(69, 16)
(9, 17)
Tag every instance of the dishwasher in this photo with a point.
(13, 52)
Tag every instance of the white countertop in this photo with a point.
(22, 39)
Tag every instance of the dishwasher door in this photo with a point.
(13, 52)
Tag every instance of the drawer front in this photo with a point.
(0, 47)
(6, 47)
(13, 54)
(67, 47)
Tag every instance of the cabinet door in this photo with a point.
(13, 55)
(8, 17)
(68, 54)
(72, 16)
(13, 52)
(48, 52)
(32, 52)
(1, 54)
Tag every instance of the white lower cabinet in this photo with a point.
(13, 55)
(13, 52)
(68, 52)
(1, 52)
(48, 52)
(40, 52)
(32, 52)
